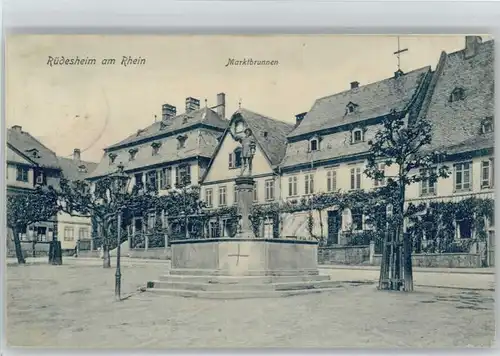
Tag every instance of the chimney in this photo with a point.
(168, 111)
(354, 85)
(17, 128)
(299, 118)
(76, 154)
(471, 45)
(192, 104)
(221, 105)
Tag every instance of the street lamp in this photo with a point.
(119, 181)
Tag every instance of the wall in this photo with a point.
(445, 189)
(349, 255)
(76, 222)
(221, 175)
(441, 260)
(151, 253)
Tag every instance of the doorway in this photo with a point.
(334, 223)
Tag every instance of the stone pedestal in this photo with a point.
(242, 268)
(244, 186)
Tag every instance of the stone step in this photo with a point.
(209, 272)
(300, 285)
(237, 294)
(241, 280)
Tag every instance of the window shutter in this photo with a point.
(231, 160)
(188, 174)
(177, 176)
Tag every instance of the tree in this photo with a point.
(404, 143)
(101, 200)
(26, 208)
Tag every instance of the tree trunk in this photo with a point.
(17, 244)
(106, 258)
(406, 245)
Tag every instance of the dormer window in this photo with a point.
(163, 125)
(132, 152)
(239, 127)
(156, 148)
(457, 94)
(181, 141)
(314, 144)
(357, 136)
(112, 157)
(185, 120)
(487, 126)
(82, 168)
(140, 132)
(33, 152)
(350, 108)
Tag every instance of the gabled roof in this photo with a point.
(76, 169)
(456, 124)
(371, 101)
(269, 133)
(27, 145)
(183, 121)
(270, 136)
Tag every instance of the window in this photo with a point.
(214, 229)
(151, 221)
(309, 184)
(82, 168)
(462, 176)
(40, 178)
(183, 175)
(269, 189)
(357, 219)
(464, 228)
(314, 144)
(151, 181)
(156, 148)
(292, 186)
(457, 94)
(426, 187)
(69, 234)
(487, 126)
(331, 181)
(132, 152)
(380, 182)
(166, 178)
(487, 174)
(208, 197)
(138, 180)
(357, 136)
(22, 174)
(350, 108)
(222, 196)
(83, 233)
(355, 178)
(181, 141)
(235, 158)
(112, 157)
(239, 127)
(255, 192)
(235, 195)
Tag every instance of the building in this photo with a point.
(29, 164)
(75, 230)
(460, 105)
(171, 153)
(327, 151)
(218, 188)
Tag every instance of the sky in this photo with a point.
(92, 107)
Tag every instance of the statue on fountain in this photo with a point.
(247, 152)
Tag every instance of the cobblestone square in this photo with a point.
(72, 306)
